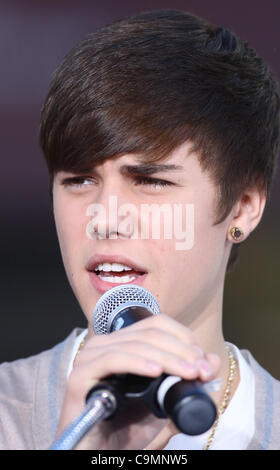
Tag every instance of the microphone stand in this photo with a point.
(99, 406)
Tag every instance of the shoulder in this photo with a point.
(267, 407)
(25, 389)
(17, 378)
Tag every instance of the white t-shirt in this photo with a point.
(76, 346)
(236, 425)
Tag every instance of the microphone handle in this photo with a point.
(183, 401)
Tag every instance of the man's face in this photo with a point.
(186, 276)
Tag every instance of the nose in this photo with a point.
(112, 213)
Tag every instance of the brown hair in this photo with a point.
(148, 83)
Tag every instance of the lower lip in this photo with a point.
(103, 286)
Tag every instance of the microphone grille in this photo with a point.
(116, 299)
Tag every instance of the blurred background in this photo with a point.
(38, 308)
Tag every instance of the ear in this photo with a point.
(247, 213)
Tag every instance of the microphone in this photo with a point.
(184, 401)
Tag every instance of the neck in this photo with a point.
(216, 343)
(207, 327)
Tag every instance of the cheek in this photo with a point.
(189, 276)
(71, 231)
(205, 257)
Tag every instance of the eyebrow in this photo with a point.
(148, 169)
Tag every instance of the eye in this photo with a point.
(77, 182)
(153, 182)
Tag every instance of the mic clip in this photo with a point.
(132, 387)
(184, 401)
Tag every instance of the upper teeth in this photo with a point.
(112, 267)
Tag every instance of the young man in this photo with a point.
(160, 108)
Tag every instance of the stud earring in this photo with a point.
(236, 233)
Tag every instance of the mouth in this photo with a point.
(107, 271)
